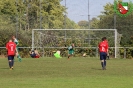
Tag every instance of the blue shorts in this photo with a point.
(11, 57)
(32, 55)
(103, 55)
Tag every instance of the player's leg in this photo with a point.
(12, 64)
(18, 56)
(102, 60)
(105, 56)
(10, 61)
(105, 62)
(69, 54)
(108, 56)
(33, 55)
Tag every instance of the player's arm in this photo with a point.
(16, 52)
(99, 47)
(36, 52)
(30, 52)
(15, 48)
(70, 47)
(16, 41)
(107, 49)
(6, 46)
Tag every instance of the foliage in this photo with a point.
(33, 14)
(83, 24)
(21, 16)
(7, 29)
(123, 24)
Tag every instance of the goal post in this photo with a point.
(84, 38)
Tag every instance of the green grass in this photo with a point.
(62, 73)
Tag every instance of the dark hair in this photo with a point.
(35, 49)
(104, 38)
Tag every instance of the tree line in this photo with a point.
(19, 17)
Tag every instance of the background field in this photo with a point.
(62, 73)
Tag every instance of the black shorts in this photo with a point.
(103, 55)
(10, 57)
(32, 55)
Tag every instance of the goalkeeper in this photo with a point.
(17, 43)
(70, 51)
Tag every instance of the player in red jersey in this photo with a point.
(103, 50)
(107, 43)
(11, 51)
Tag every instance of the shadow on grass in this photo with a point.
(96, 68)
(4, 68)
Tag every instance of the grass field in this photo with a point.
(63, 73)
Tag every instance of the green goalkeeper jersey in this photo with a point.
(71, 50)
(16, 41)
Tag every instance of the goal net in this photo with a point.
(82, 38)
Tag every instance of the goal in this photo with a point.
(82, 38)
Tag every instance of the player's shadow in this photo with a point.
(4, 68)
(96, 68)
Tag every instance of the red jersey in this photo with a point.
(11, 48)
(103, 46)
(106, 41)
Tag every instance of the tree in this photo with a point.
(34, 13)
(108, 9)
(83, 24)
(94, 23)
(123, 24)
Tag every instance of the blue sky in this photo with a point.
(78, 9)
